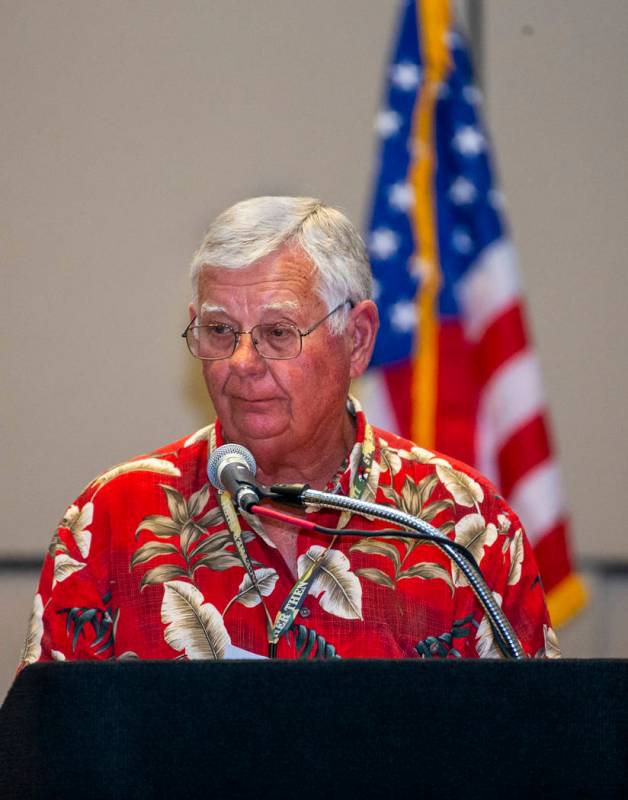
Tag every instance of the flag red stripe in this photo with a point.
(504, 338)
(398, 379)
(552, 555)
(458, 393)
(528, 447)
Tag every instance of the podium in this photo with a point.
(317, 729)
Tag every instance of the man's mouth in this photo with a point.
(253, 400)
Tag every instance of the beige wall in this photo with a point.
(128, 125)
(558, 107)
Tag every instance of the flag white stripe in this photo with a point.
(537, 498)
(511, 398)
(490, 286)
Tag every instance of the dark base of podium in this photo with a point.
(316, 730)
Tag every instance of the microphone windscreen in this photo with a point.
(230, 453)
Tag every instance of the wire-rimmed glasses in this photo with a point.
(277, 340)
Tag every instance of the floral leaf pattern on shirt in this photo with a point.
(32, 646)
(392, 457)
(427, 571)
(423, 570)
(462, 487)
(424, 456)
(442, 646)
(102, 622)
(337, 587)
(310, 644)
(377, 547)
(391, 461)
(370, 487)
(76, 521)
(57, 545)
(64, 566)
(551, 648)
(152, 550)
(162, 574)
(473, 533)
(213, 552)
(414, 499)
(516, 558)
(485, 642)
(376, 575)
(249, 593)
(159, 465)
(205, 433)
(159, 525)
(192, 625)
(256, 524)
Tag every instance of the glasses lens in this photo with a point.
(277, 341)
(211, 341)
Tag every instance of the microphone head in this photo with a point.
(228, 453)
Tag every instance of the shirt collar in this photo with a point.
(358, 462)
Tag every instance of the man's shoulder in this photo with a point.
(186, 444)
(174, 461)
(474, 494)
(180, 451)
(411, 452)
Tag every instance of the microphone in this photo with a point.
(232, 467)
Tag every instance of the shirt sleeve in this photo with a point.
(72, 617)
(511, 571)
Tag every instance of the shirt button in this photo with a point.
(305, 612)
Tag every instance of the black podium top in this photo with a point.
(316, 729)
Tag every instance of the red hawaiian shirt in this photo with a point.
(144, 565)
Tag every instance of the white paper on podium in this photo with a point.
(237, 653)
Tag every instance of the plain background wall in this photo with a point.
(128, 125)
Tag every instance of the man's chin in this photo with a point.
(256, 425)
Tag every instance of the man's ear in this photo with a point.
(192, 311)
(362, 328)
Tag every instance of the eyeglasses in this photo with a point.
(279, 340)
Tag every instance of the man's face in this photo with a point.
(284, 402)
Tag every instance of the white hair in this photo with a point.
(252, 229)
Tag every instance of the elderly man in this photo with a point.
(150, 562)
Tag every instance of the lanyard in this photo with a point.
(292, 604)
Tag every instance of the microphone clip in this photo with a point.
(247, 496)
(289, 493)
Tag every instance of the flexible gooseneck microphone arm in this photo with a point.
(232, 467)
(505, 635)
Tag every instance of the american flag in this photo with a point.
(453, 368)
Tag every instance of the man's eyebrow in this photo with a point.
(206, 308)
(280, 305)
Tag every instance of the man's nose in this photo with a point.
(245, 358)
